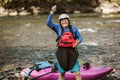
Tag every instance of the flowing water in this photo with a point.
(26, 37)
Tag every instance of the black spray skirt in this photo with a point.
(67, 57)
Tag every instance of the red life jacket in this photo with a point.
(67, 40)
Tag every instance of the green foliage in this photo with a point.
(20, 2)
(44, 5)
(117, 1)
(82, 2)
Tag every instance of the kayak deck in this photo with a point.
(91, 73)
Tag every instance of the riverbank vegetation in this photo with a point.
(25, 7)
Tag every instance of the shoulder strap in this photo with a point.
(71, 30)
(59, 36)
(70, 27)
(62, 30)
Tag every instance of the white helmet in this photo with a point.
(62, 16)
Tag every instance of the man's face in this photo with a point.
(64, 23)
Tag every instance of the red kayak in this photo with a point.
(92, 73)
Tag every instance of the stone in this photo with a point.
(23, 13)
(13, 13)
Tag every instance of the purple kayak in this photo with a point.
(92, 73)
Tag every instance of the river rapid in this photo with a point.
(27, 39)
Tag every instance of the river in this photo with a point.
(26, 37)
